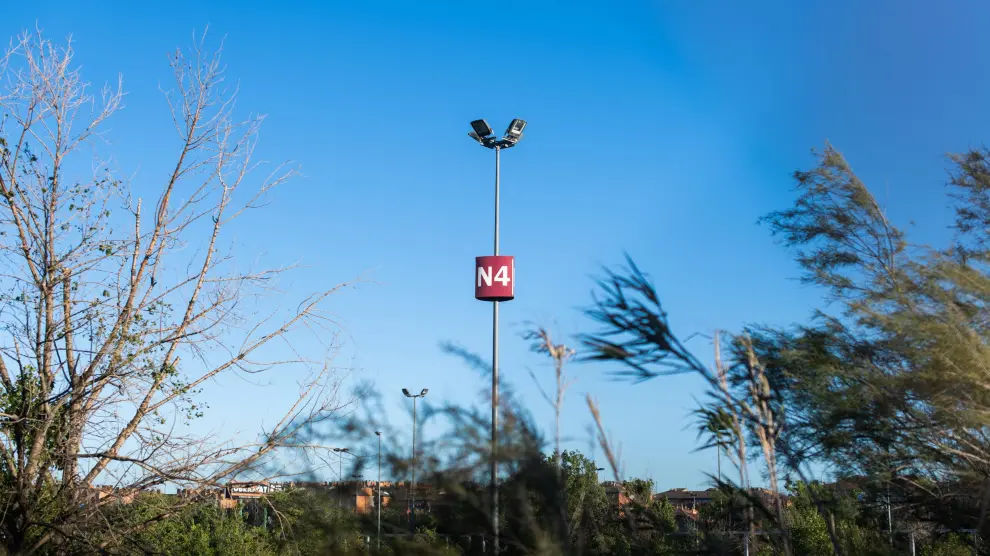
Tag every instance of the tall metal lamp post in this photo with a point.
(379, 503)
(495, 280)
(412, 491)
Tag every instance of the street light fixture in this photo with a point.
(482, 133)
(412, 507)
(515, 130)
(481, 128)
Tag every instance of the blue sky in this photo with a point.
(664, 130)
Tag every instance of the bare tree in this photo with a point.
(766, 420)
(728, 419)
(112, 323)
(560, 354)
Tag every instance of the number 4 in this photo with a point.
(502, 276)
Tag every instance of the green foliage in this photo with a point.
(295, 522)
(665, 517)
(890, 390)
(897, 382)
(207, 530)
(640, 491)
(809, 531)
(589, 512)
(305, 521)
(585, 495)
(724, 514)
(949, 545)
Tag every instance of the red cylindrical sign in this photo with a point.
(494, 278)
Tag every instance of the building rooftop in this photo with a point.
(685, 494)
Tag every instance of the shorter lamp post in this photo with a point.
(340, 473)
(379, 503)
(357, 490)
(412, 491)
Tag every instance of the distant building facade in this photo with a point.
(686, 500)
(357, 496)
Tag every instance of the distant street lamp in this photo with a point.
(412, 507)
(503, 270)
(340, 472)
(357, 490)
(379, 504)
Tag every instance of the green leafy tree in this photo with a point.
(949, 545)
(586, 502)
(203, 529)
(892, 388)
(306, 521)
(809, 525)
(639, 491)
(888, 385)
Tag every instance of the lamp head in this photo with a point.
(378, 433)
(423, 393)
(515, 130)
(406, 392)
(481, 128)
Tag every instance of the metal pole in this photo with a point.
(718, 447)
(494, 464)
(890, 521)
(379, 492)
(412, 507)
